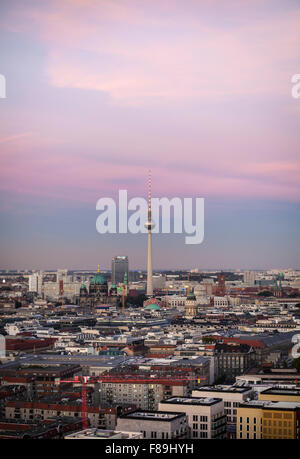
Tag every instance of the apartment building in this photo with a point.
(104, 418)
(144, 392)
(43, 378)
(233, 360)
(155, 424)
(261, 419)
(205, 416)
(232, 397)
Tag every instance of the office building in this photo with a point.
(119, 266)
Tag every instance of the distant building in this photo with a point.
(191, 306)
(233, 360)
(220, 301)
(142, 391)
(119, 266)
(35, 283)
(249, 277)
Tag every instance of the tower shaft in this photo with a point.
(149, 265)
(149, 254)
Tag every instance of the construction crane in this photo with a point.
(166, 298)
(84, 380)
(61, 291)
(123, 299)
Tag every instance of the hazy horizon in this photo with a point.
(99, 92)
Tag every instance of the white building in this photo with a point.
(155, 424)
(206, 416)
(232, 396)
(249, 277)
(221, 301)
(101, 434)
(35, 283)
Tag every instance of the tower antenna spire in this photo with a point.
(149, 190)
(149, 225)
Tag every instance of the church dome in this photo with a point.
(98, 279)
(152, 307)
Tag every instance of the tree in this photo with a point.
(296, 364)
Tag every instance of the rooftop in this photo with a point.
(153, 415)
(282, 391)
(229, 389)
(205, 401)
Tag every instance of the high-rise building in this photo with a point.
(119, 267)
(249, 277)
(35, 282)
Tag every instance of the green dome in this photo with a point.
(98, 280)
(153, 307)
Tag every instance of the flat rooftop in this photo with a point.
(100, 434)
(282, 391)
(229, 389)
(267, 404)
(204, 401)
(153, 415)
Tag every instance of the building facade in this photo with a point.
(206, 417)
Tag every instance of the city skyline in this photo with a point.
(97, 93)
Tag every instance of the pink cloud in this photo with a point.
(138, 54)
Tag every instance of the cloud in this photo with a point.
(139, 54)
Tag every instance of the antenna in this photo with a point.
(149, 190)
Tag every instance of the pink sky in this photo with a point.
(98, 91)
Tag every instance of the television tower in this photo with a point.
(149, 225)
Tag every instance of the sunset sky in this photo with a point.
(99, 91)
